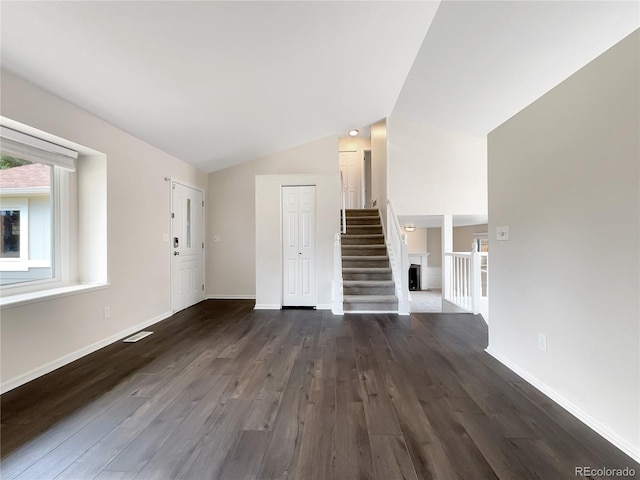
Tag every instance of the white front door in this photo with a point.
(350, 168)
(187, 255)
(299, 246)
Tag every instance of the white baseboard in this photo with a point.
(324, 306)
(267, 306)
(231, 297)
(66, 359)
(627, 447)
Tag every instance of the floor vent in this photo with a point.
(138, 336)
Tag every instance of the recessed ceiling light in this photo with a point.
(409, 227)
(353, 132)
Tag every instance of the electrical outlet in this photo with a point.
(107, 312)
(542, 342)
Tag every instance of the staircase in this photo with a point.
(366, 275)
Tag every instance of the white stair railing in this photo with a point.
(464, 285)
(399, 259)
(336, 284)
(343, 197)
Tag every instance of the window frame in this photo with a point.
(78, 257)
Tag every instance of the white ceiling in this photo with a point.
(219, 83)
(483, 61)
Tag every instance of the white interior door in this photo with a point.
(350, 168)
(187, 253)
(299, 246)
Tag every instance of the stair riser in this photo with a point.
(382, 306)
(367, 276)
(361, 213)
(382, 263)
(369, 290)
(382, 250)
(363, 230)
(363, 241)
(362, 221)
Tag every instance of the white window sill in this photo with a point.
(43, 295)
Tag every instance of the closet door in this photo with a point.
(299, 249)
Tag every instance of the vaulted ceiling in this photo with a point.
(219, 83)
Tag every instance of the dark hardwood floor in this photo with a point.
(220, 391)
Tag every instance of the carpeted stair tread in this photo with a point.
(369, 298)
(363, 236)
(368, 283)
(365, 257)
(366, 270)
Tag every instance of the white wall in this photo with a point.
(463, 236)
(433, 171)
(434, 246)
(379, 171)
(231, 213)
(354, 144)
(268, 229)
(564, 175)
(417, 241)
(44, 335)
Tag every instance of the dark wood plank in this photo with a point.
(381, 418)
(391, 459)
(353, 451)
(281, 459)
(317, 450)
(223, 391)
(75, 446)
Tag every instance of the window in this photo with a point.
(31, 173)
(26, 217)
(53, 216)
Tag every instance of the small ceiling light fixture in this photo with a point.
(353, 132)
(409, 227)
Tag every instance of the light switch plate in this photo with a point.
(502, 233)
(542, 342)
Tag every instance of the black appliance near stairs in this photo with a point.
(366, 274)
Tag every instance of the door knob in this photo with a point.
(176, 253)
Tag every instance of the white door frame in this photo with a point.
(170, 250)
